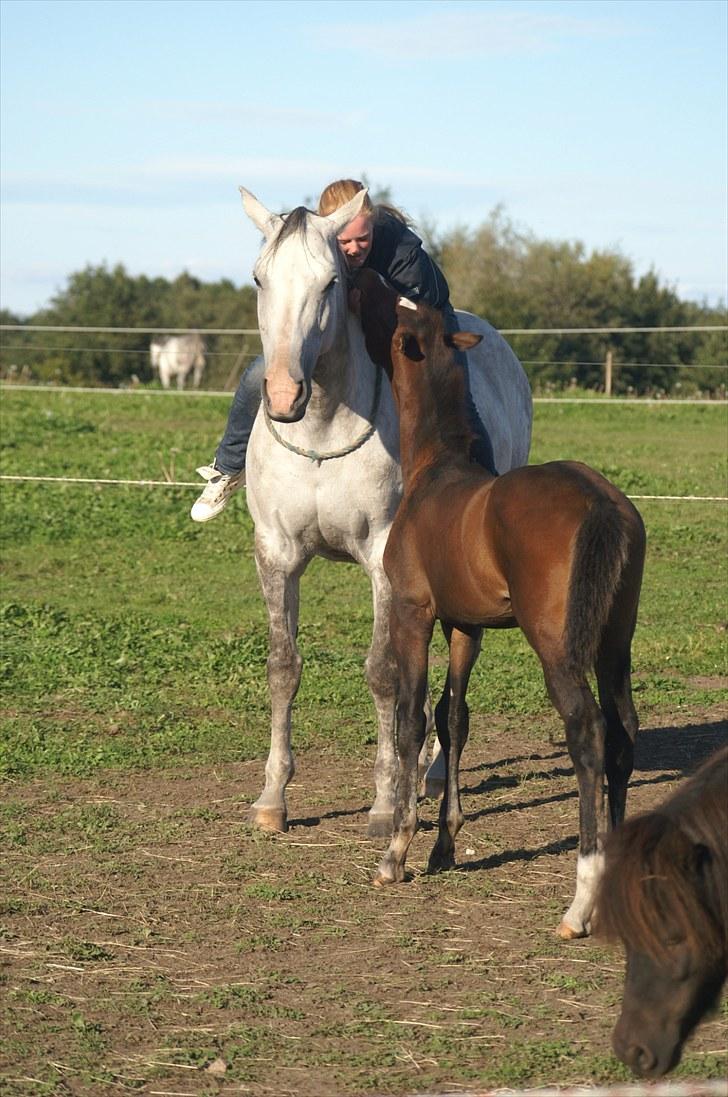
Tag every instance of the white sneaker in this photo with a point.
(219, 490)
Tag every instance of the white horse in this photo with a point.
(323, 475)
(175, 355)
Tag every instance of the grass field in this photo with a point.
(151, 941)
(123, 613)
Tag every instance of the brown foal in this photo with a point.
(554, 549)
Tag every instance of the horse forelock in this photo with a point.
(653, 889)
(304, 228)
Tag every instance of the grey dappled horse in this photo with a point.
(323, 473)
(173, 356)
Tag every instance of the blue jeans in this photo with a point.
(230, 454)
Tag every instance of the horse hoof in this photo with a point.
(384, 879)
(440, 864)
(380, 826)
(568, 933)
(270, 819)
(433, 788)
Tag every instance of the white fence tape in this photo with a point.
(708, 1088)
(199, 485)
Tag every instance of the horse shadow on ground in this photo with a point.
(674, 748)
(681, 747)
(677, 748)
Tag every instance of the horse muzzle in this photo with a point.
(286, 402)
(648, 1051)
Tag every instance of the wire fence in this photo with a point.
(707, 1088)
(100, 481)
(255, 331)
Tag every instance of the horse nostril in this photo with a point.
(640, 1059)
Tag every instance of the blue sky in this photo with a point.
(128, 126)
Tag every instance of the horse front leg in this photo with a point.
(281, 593)
(381, 672)
(585, 737)
(452, 718)
(410, 632)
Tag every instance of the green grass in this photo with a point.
(133, 637)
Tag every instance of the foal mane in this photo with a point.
(444, 416)
(666, 874)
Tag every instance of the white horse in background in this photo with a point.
(175, 355)
(323, 474)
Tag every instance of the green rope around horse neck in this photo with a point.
(311, 453)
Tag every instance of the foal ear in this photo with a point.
(268, 223)
(462, 340)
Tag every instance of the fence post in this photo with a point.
(608, 374)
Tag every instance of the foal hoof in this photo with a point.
(380, 825)
(440, 862)
(273, 820)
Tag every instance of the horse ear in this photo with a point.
(341, 217)
(462, 340)
(268, 223)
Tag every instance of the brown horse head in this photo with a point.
(665, 896)
(387, 316)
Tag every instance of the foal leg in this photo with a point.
(615, 697)
(452, 718)
(381, 672)
(433, 785)
(585, 735)
(433, 782)
(410, 632)
(281, 593)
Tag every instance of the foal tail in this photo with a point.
(601, 555)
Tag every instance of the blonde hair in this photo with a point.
(341, 191)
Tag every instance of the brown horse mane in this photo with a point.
(445, 420)
(666, 874)
(444, 417)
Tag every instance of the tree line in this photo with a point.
(509, 277)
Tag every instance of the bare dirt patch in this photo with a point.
(153, 943)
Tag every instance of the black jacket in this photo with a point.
(397, 254)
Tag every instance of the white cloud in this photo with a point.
(458, 34)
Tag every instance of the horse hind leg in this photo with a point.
(281, 593)
(615, 697)
(432, 767)
(452, 719)
(585, 729)
(435, 776)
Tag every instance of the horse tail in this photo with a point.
(600, 557)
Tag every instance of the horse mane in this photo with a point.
(666, 873)
(444, 417)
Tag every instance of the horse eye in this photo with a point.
(257, 281)
(331, 284)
